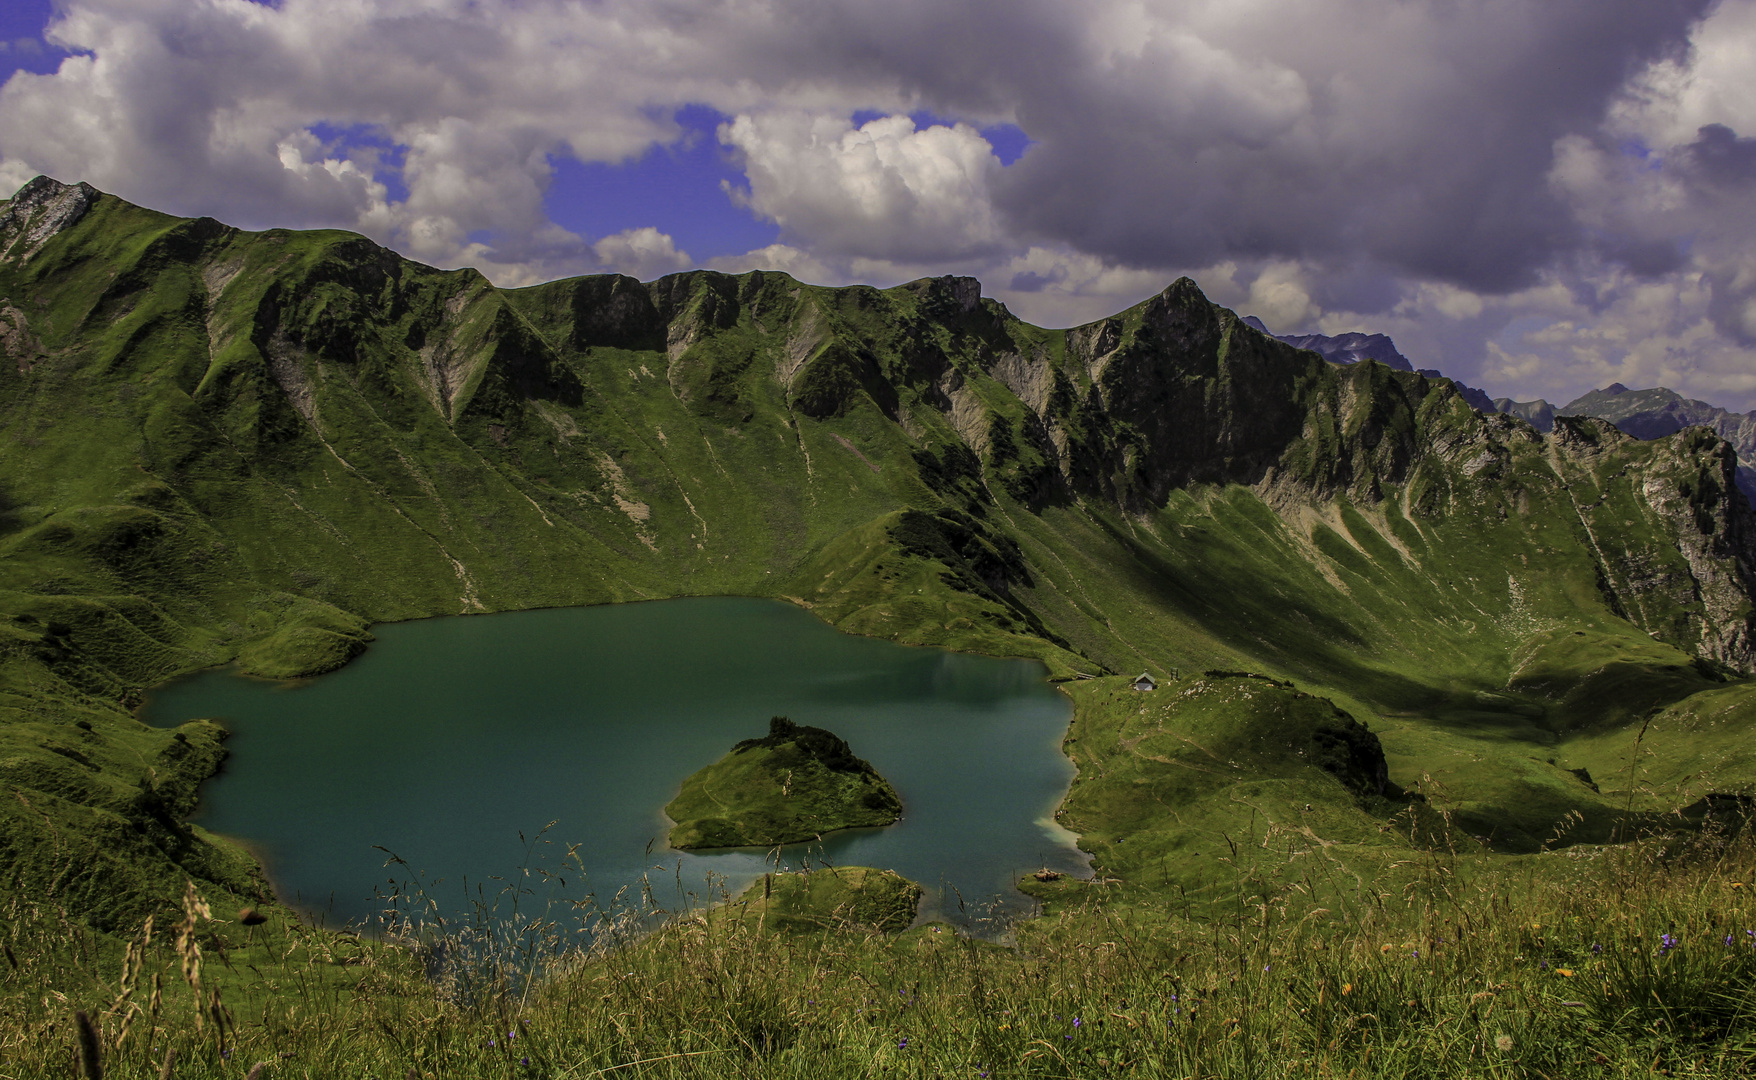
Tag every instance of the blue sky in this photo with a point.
(21, 29)
(679, 189)
(1535, 199)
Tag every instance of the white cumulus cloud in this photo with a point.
(883, 190)
(644, 253)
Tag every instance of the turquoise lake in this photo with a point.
(452, 736)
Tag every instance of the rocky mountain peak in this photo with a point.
(40, 209)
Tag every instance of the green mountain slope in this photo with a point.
(229, 446)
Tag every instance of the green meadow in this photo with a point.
(1446, 706)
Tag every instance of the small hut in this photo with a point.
(1144, 682)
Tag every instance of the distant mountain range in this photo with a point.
(1655, 413)
(1644, 414)
(1353, 347)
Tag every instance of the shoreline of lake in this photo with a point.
(732, 640)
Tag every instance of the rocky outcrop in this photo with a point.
(40, 209)
(1693, 487)
(1538, 414)
(1656, 413)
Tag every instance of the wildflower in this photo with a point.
(1503, 1043)
(1346, 989)
(1667, 942)
(1076, 1022)
(1728, 939)
(903, 1045)
(1385, 948)
(1596, 949)
(524, 1060)
(1005, 1027)
(1566, 973)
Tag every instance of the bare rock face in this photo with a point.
(1693, 487)
(40, 209)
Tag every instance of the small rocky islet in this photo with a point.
(795, 784)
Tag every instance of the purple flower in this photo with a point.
(1596, 949)
(903, 1045)
(1667, 942)
(524, 1061)
(1076, 1022)
(1728, 939)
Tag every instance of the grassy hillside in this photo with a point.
(232, 447)
(1635, 963)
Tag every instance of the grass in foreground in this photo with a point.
(1637, 961)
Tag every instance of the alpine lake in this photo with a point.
(454, 743)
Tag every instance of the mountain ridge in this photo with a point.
(248, 447)
(1645, 414)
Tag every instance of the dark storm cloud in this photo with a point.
(1413, 136)
(1418, 136)
(1718, 156)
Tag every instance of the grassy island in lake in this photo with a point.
(795, 784)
